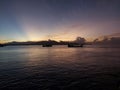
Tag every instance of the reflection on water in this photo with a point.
(59, 68)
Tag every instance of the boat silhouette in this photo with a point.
(1, 45)
(75, 45)
(47, 45)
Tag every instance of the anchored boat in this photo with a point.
(47, 45)
(1, 45)
(75, 45)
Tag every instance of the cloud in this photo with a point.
(110, 35)
(114, 35)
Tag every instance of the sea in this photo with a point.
(33, 67)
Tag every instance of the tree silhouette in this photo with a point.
(80, 40)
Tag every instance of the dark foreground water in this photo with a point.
(59, 68)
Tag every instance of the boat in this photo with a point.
(47, 45)
(75, 45)
(1, 45)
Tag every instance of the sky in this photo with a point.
(34, 20)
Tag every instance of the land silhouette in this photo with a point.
(78, 40)
(109, 41)
(46, 42)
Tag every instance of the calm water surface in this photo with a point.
(59, 68)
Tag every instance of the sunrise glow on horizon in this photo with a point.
(36, 20)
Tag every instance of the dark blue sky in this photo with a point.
(58, 19)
